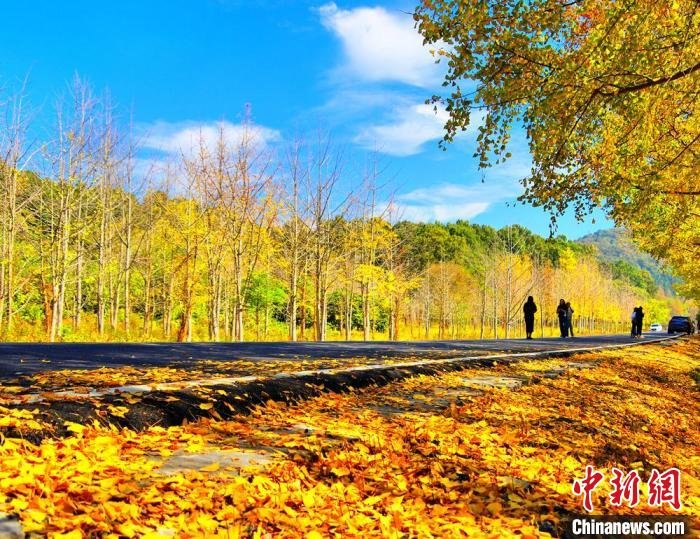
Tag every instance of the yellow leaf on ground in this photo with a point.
(213, 467)
(494, 508)
(75, 427)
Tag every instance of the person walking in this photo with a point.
(529, 310)
(639, 321)
(561, 314)
(633, 332)
(569, 319)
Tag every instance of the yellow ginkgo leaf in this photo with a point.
(213, 467)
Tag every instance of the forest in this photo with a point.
(238, 241)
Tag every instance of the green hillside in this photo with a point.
(616, 248)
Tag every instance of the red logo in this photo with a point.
(663, 488)
(587, 485)
(626, 487)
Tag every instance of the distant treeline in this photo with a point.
(233, 241)
(98, 262)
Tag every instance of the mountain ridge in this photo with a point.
(616, 244)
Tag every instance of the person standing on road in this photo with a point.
(529, 310)
(633, 332)
(569, 319)
(638, 321)
(561, 313)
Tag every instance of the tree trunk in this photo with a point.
(395, 317)
(102, 265)
(495, 306)
(239, 305)
(267, 321)
(127, 266)
(292, 307)
(427, 315)
(348, 313)
(78, 308)
(10, 256)
(317, 303)
(214, 300)
(48, 297)
(324, 313)
(184, 331)
(366, 322)
(147, 302)
(63, 270)
(302, 309)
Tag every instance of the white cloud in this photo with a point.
(184, 137)
(411, 127)
(163, 144)
(149, 168)
(449, 202)
(350, 104)
(381, 46)
(443, 213)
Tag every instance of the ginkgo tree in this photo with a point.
(606, 91)
(232, 236)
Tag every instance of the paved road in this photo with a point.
(24, 358)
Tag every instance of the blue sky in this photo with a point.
(355, 69)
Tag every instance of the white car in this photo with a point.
(656, 327)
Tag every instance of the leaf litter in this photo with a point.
(426, 456)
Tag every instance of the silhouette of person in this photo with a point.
(633, 332)
(563, 324)
(529, 310)
(638, 322)
(569, 318)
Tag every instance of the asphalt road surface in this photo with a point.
(26, 358)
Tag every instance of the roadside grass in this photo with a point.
(483, 452)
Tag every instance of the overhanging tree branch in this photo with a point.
(652, 82)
